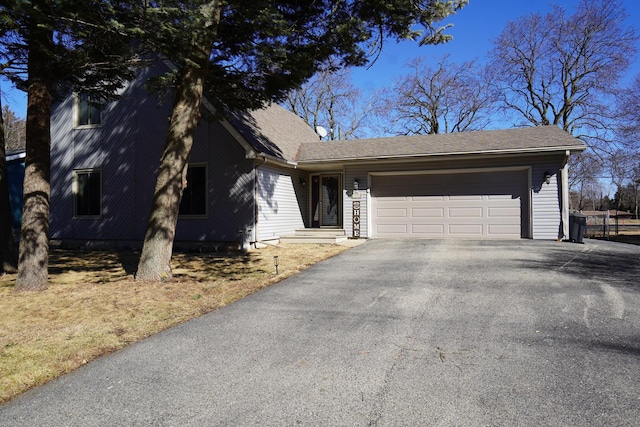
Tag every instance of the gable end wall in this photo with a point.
(127, 148)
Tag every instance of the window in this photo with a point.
(89, 109)
(87, 193)
(194, 196)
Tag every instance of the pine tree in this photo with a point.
(243, 53)
(50, 46)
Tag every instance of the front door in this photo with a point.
(325, 201)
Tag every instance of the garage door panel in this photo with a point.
(392, 230)
(472, 205)
(427, 213)
(427, 199)
(391, 213)
(465, 212)
(466, 198)
(433, 230)
(471, 230)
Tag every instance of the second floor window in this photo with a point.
(89, 109)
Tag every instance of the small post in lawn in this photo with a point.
(275, 262)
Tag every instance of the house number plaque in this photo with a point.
(356, 219)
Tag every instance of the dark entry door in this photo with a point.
(325, 201)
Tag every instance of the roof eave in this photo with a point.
(267, 158)
(538, 150)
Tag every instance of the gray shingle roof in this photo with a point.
(520, 140)
(274, 131)
(277, 132)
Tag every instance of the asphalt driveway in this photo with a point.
(389, 333)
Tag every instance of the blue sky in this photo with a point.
(475, 28)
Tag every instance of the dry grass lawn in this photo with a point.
(93, 306)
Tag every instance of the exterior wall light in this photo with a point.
(547, 177)
(303, 182)
(356, 184)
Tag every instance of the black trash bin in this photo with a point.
(577, 226)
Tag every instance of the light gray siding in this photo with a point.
(546, 206)
(127, 149)
(282, 202)
(543, 211)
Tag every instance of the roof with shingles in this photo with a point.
(273, 130)
(511, 141)
(279, 133)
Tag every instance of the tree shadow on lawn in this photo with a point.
(108, 265)
(94, 261)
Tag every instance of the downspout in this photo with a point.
(564, 173)
(255, 200)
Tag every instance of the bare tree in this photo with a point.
(443, 98)
(330, 100)
(585, 180)
(14, 130)
(625, 173)
(563, 70)
(628, 115)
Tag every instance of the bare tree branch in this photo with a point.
(438, 99)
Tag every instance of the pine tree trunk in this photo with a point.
(155, 259)
(33, 259)
(156, 254)
(7, 257)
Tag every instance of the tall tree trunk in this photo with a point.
(33, 260)
(155, 259)
(7, 255)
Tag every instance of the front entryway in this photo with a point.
(325, 201)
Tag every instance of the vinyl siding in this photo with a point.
(127, 148)
(546, 209)
(544, 205)
(230, 204)
(281, 202)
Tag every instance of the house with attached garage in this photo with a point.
(265, 176)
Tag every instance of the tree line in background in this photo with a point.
(551, 69)
(14, 130)
(239, 54)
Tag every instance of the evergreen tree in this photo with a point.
(49, 47)
(246, 52)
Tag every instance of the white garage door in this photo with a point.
(453, 205)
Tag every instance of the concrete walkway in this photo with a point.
(388, 333)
